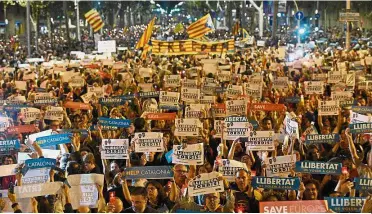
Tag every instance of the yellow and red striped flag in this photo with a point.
(94, 19)
(236, 28)
(146, 36)
(201, 27)
(147, 48)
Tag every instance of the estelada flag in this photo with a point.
(201, 27)
(146, 36)
(94, 19)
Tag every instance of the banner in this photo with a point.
(161, 116)
(193, 154)
(205, 183)
(148, 172)
(276, 183)
(234, 91)
(84, 195)
(236, 107)
(112, 101)
(9, 145)
(30, 114)
(29, 191)
(266, 107)
(120, 123)
(236, 127)
(115, 149)
(280, 166)
(302, 206)
(318, 167)
(148, 142)
(260, 141)
(328, 108)
(45, 102)
(187, 127)
(182, 47)
(362, 109)
(53, 140)
(54, 113)
(314, 87)
(169, 98)
(229, 168)
(320, 138)
(77, 105)
(360, 128)
(363, 183)
(345, 204)
(40, 163)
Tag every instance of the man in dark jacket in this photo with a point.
(139, 202)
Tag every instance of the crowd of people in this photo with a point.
(186, 133)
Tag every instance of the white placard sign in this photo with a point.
(115, 149)
(193, 154)
(260, 141)
(280, 166)
(345, 98)
(314, 87)
(327, 108)
(6, 170)
(224, 76)
(206, 99)
(205, 183)
(36, 176)
(236, 107)
(236, 127)
(229, 168)
(148, 142)
(334, 76)
(48, 153)
(107, 46)
(78, 179)
(260, 43)
(84, 195)
(54, 113)
(29, 191)
(30, 114)
(77, 81)
(319, 77)
(99, 91)
(280, 83)
(187, 127)
(234, 91)
(218, 128)
(190, 95)
(169, 98)
(359, 118)
(350, 80)
(172, 80)
(208, 88)
(291, 126)
(189, 83)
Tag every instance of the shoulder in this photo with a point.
(151, 210)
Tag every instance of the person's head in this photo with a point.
(267, 124)
(55, 124)
(83, 209)
(117, 204)
(139, 199)
(114, 167)
(180, 174)
(212, 201)
(89, 162)
(160, 124)
(314, 153)
(311, 190)
(242, 179)
(326, 129)
(8, 159)
(247, 160)
(155, 191)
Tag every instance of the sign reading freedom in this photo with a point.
(181, 47)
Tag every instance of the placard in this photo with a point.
(260, 141)
(187, 127)
(229, 168)
(36, 176)
(236, 127)
(359, 118)
(320, 138)
(98, 91)
(7, 170)
(260, 43)
(236, 107)
(328, 108)
(148, 142)
(168, 98)
(267, 107)
(145, 72)
(4, 123)
(253, 90)
(205, 99)
(148, 172)
(84, 195)
(280, 166)
(54, 113)
(363, 183)
(362, 109)
(345, 204)
(30, 114)
(334, 76)
(172, 81)
(208, 88)
(219, 110)
(276, 183)
(291, 126)
(318, 167)
(107, 46)
(29, 191)
(319, 77)
(7, 146)
(280, 83)
(77, 81)
(301, 206)
(345, 98)
(218, 128)
(120, 123)
(79, 179)
(190, 95)
(53, 140)
(77, 105)
(359, 128)
(161, 116)
(190, 83)
(115, 149)
(314, 87)
(193, 154)
(205, 183)
(234, 91)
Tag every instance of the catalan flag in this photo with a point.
(94, 19)
(147, 48)
(201, 27)
(146, 36)
(236, 28)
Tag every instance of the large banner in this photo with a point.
(149, 172)
(317, 167)
(345, 204)
(182, 47)
(276, 183)
(311, 206)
